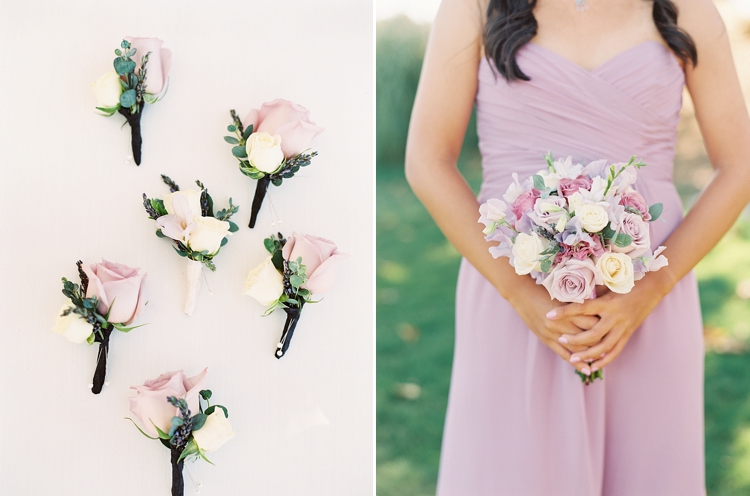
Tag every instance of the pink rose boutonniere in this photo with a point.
(296, 269)
(271, 145)
(109, 297)
(187, 218)
(140, 76)
(177, 410)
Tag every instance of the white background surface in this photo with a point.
(304, 423)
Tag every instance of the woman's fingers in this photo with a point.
(596, 352)
(565, 355)
(609, 356)
(587, 338)
(585, 322)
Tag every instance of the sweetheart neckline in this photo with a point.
(607, 62)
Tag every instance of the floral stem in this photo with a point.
(136, 142)
(102, 336)
(178, 483)
(292, 318)
(260, 194)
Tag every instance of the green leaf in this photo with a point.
(161, 433)
(231, 140)
(91, 338)
(121, 328)
(149, 98)
(136, 426)
(546, 265)
(248, 132)
(233, 227)
(223, 242)
(198, 421)
(538, 182)
(160, 234)
(159, 206)
(623, 240)
(125, 44)
(127, 99)
(608, 232)
(655, 211)
(190, 449)
(180, 252)
(269, 244)
(211, 409)
(205, 394)
(123, 66)
(239, 152)
(296, 281)
(109, 110)
(278, 261)
(231, 128)
(276, 182)
(118, 52)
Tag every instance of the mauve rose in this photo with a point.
(318, 255)
(524, 202)
(635, 200)
(569, 186)
(118, 287)
(573, 281)
(584, 250)
(159, 62)
(288, 120)
(150, 403)
(636, 228)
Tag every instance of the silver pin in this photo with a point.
(106, 383)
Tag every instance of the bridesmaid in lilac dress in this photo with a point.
(588, 79)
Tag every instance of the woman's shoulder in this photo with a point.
(700, 19)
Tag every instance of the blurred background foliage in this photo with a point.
(417, 268)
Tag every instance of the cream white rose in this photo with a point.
(107, 90)
(264, 283)
(193, 197)
(594, 218)
(551, 180)
(72, 326)
(617, 272)
(526, 251)
(264, 151)
(207, 234)
(215, 432)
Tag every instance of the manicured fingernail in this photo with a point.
(551, 314)
(586, 371)
(602, 355)
(594, 369)
(575, 359)
(563, 340)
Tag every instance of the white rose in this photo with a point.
(526, 251)
(617, 271)
(551, 180)
(574, 201)
(264, 283)
(594, 218)
(215, 432)
(207, 234)
(107, 90)
(264, 152)
(193, 197)
(72, 326)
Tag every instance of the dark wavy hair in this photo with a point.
(511, 24)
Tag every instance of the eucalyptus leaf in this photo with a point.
(239, 152)
(198, 421)
(205, 394)
(546, 265)
(233, 227)
(276, 182)
(127, 99)
(248, 132)
(160, 234)
(231, 128)
(224, 241)
(211, 409)
(623, 240)
(269, 244)
(655, 211)
(231, 140)
(123, 65)
(296, 281)
(180, 252)
(538, 182)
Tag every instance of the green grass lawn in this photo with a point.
(416, 275)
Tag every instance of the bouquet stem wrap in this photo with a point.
(260, 194)
(292, 318)
(101, 362)
(194, 270)
(134, 120)
(178, 483)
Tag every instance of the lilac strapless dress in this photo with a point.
(519, 421)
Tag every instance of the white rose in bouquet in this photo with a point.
(264, 152)
(207, 234)
(72, 326)
(593, 217)
(526, 252)
(107, 90)
(617, 272)
(264, 283)
(215, 432)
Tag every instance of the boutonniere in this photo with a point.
(295, 271)
(140, 76)
(177, 411)
(187, 217)
(109, 297)
(272, 145)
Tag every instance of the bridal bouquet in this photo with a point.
(170, 409)
(109, 297)
(272, 145)
(134, 82)
(573, 227)
(295, 270)
(187, 217)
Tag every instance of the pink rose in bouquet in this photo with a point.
(119, 289)
(288, 120)
(159, 62)
(319, 255)
(150, 403)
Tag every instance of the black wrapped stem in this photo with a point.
(101, 362)
(292, 318)
(178, 483)
(260, 194)
(134, 120)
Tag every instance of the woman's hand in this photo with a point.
(619, 317)
(534, 304)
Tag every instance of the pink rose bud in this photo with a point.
(320, 257)
(288, 120)
(119, 289)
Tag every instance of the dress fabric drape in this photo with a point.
(519, 421)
